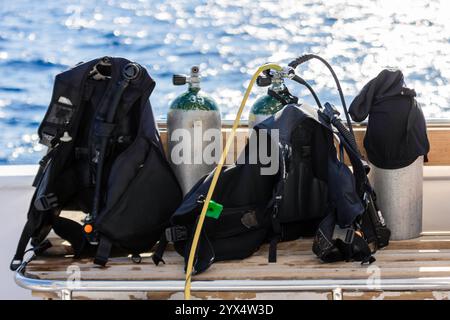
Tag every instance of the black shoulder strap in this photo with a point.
(22, 245)
(105, 122)
(274, 204)
(157, 256)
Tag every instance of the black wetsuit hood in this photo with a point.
(396, 133)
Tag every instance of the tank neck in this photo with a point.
(193, 89)
(277, 83)
(278, 86)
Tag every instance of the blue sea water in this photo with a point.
(228, 39)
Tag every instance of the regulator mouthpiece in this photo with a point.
(193, 79)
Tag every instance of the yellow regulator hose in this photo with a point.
(187, 284)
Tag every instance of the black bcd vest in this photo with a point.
(310, 188)
(104, 151)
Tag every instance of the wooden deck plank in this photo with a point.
(304, 259)
(279, 272)
(428, 256)
(410, 260)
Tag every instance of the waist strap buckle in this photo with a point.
(346, 235)
(46, 202)
(177, 233)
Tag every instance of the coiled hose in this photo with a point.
(302, 81)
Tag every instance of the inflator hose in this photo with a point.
(218, 169)
(300, 80)
(304, 58)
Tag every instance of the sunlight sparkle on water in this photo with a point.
(228, 39)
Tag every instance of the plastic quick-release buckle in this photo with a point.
(46, 202)
(346, 235)
(177, 233)
(46, 244)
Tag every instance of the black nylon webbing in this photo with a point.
(157, 256)
(72, 232)
(103, 252)
(22, 245)
(273, 249)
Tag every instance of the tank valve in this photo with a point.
(275, 99)
(193, 80)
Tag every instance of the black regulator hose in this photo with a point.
(332, 116)
(301, 81)
(304, 58)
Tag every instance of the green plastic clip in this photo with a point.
(214, 210)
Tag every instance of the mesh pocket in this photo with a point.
(60, 114)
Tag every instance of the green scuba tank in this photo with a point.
(194, 131)
(274, 100)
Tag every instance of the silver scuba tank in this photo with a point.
(194, 148)
(400, 198)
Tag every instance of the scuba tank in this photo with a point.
(189, 116)
(274, 100)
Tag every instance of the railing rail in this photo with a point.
(323, 285)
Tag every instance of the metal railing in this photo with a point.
(334, 286)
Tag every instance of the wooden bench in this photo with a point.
(410, 269)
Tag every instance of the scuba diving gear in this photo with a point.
(396, 132)
(195, 113)
(283, 95)
(402, 206)
(310, 185)
(261, 207)
(369, 226)
(278, 94)
(365, 230)
(339, 195)
(301, 81)
(274, 100)
(104, 148)
(396, 142)
(130, 72)
(306, 57)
